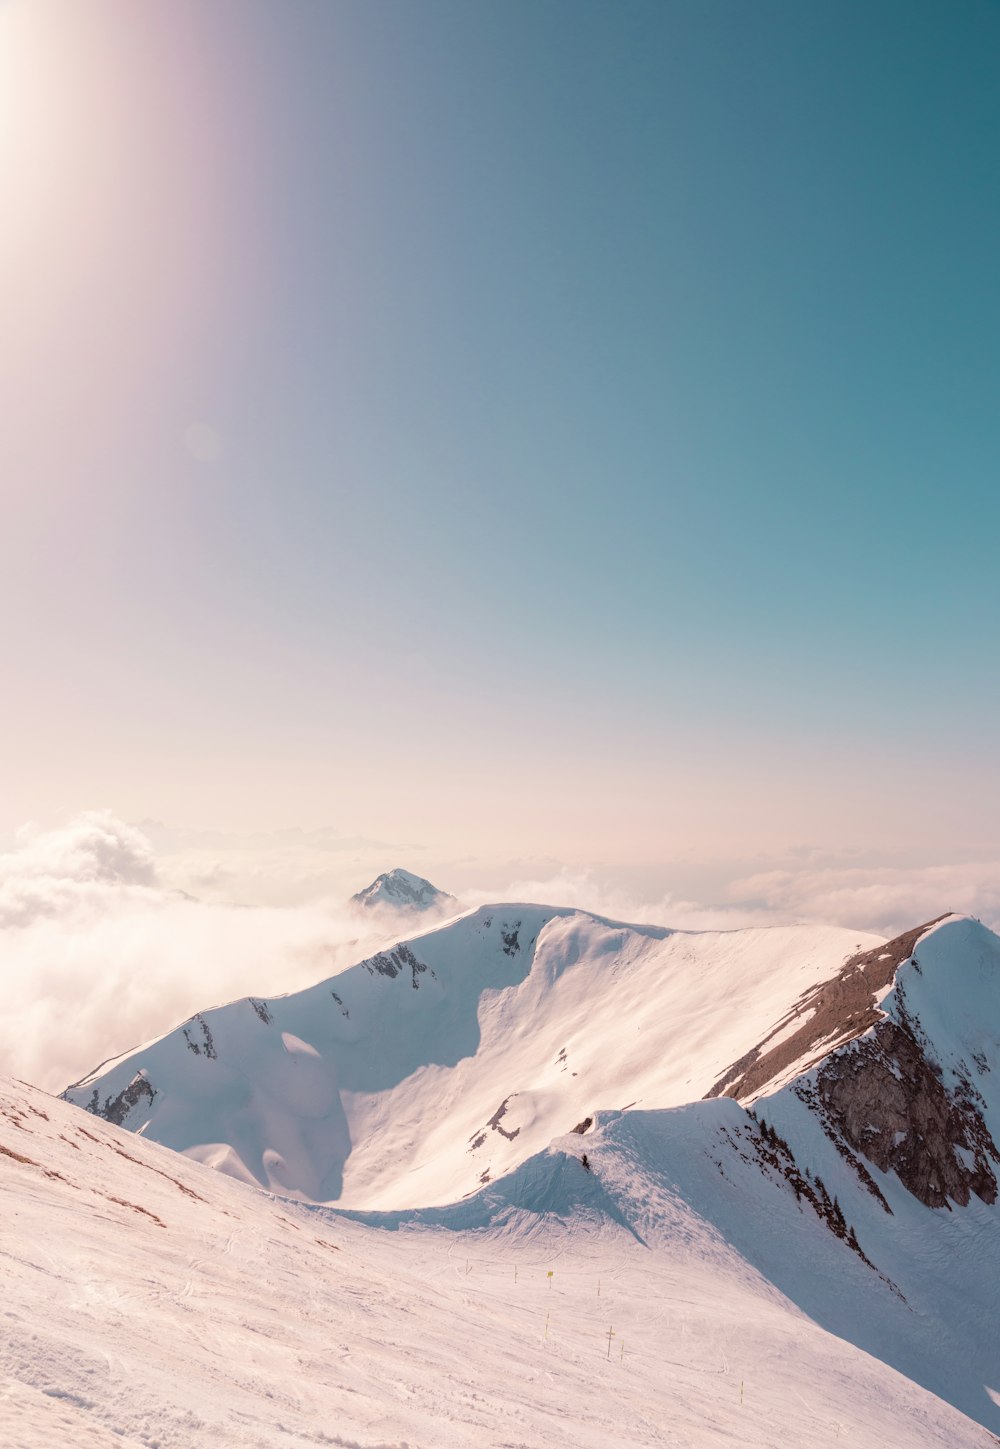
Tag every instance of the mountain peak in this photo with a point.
(401, 889)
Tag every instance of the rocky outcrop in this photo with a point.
(876, 1083)
(207, 1045)
(391, 963)
(116, 1109)
(885, 1097)
(833, 1013)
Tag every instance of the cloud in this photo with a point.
(56, 870)
(97, 954)
(275, 868)
(886, 899)
(584, 890)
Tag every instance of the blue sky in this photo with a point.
(601, 405)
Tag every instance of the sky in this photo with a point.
(543, 445)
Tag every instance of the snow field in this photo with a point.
(149, 1301)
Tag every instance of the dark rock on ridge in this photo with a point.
(885, 1097)
(116, 1109)
(834, 1012)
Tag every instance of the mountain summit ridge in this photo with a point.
(450, 1055)
(400, 889)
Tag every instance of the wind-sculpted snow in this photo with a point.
(150, 1302)
(259, 1088)
(442, 1061)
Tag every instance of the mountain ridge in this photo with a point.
(450, 1055)
(401, 890)
(854, 1187)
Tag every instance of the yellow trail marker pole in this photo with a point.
(549, 1276)
(611, 1335)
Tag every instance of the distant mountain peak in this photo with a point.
(401, 889)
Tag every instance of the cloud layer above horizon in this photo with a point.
(100, 950)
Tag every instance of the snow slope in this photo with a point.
(150, 1302)
(901, 1126)
(444, 1061)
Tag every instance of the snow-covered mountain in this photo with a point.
(810, 1252)
(400, 890)
(445, 1060)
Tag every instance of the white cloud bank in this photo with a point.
(53, 872)
(877, 898)
(100, 951)
(96, 955)
(884, 899)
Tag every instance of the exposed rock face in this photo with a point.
(116, 1109)
(478, 1138)
(774, 1155)
(391, 963)
(885, 1097)
(206, 1045)
(877, 1084)
(511, 945)
(833, 1013)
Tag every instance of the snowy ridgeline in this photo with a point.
(850, 1191)
(443, 1061)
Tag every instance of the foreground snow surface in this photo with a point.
(149, 1301)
